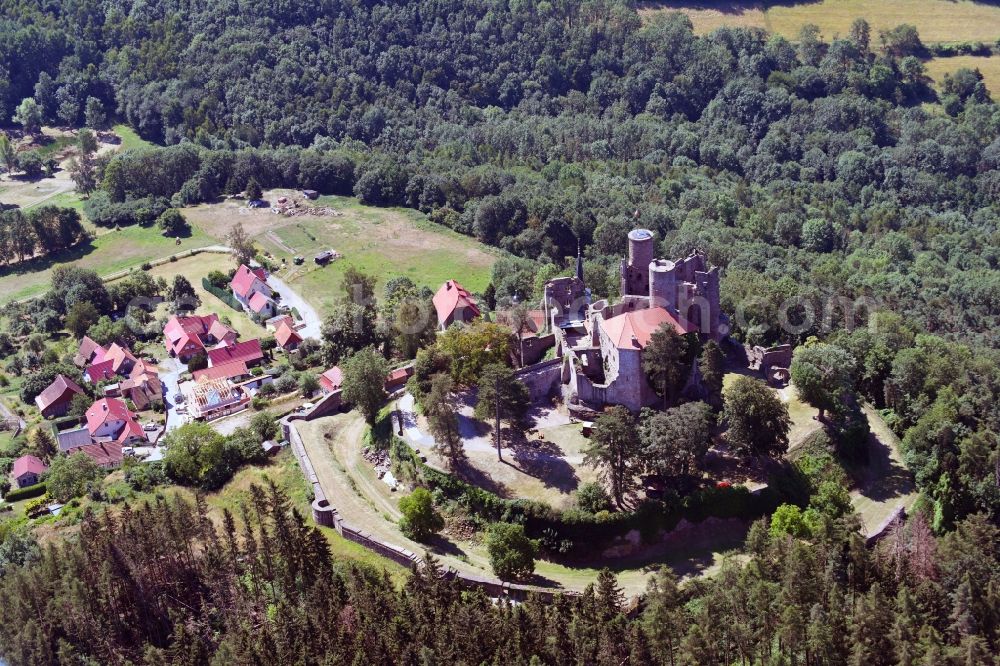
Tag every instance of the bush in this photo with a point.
(420, 520)
(512, 553)
(593, 498)
(286, 383)
(19, 494)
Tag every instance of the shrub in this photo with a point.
(593, 498)
(19, 494)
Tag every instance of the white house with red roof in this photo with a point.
(28, 471)
(261, 305)
(249, 283)
(108, 419)
(55, 400)
(453, 303)
(185, 336)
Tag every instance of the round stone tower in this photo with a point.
(640, 248)
(663, 284)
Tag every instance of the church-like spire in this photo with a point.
(579, 262)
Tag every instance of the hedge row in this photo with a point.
(19, 494)
(577, 527)
(223, 295)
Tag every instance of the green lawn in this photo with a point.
(107, 253)
(936, 20)
(130, 139)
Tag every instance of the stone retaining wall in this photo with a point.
(326, 515)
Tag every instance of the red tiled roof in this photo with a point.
(144, 370)
(245, 279)
(632, 330)
(247, 351)
(118, 355)
(332, 378)
(222, 371)
(451, 297)
(28, 464)
(286, 335)
(56, 391)
(86, 352)
(101, 370)
(132, 430)
(258, 301)
(220, 331)
(105, 454)
(193, 329)
(106, 409)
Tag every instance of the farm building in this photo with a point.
(28, 471)
(55, 400)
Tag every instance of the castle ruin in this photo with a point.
(601, 344)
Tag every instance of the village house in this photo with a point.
(108, 363)
(86, 352)
(248, 351)
(331, 380)
(262, 306)
(109, 420)
(232, 371)
(453, 303)
(106, 455)
(143, 387)
(57, 397)
(250, 288)
(287, 337)
(185, 336)
(28, 471)
(602, 344)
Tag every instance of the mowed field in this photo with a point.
(936, 20)
(988, 66)
(384, 242)
(107, 253)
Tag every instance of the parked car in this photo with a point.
(149, 427)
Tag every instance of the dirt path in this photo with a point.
(886, 485)
(356, 497)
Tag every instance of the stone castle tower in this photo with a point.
(687, 288)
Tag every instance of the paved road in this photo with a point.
(291, 298)
(170, 389)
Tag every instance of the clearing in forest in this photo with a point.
(384, 242)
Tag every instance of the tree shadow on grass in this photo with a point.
(883, 478)
(542, 460)
(46, 261)
(465, 471)
(441, 545)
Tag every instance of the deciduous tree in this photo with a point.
(364, 382)
(757, 420)
(501, 397)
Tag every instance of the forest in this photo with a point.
(160, 583)
(808, 171)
